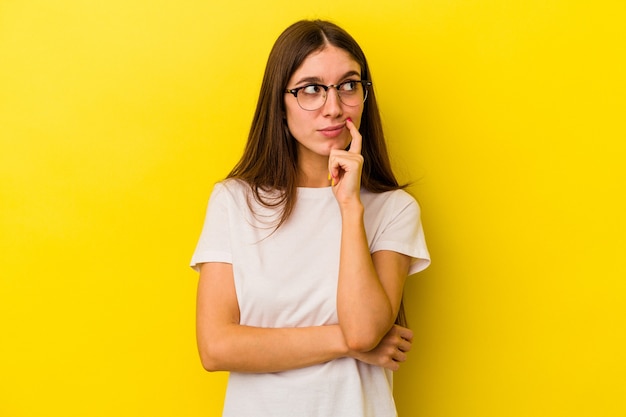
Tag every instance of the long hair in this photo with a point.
(269, 164)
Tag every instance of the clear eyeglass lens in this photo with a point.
(313, 97)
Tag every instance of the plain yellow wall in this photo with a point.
(117, 117)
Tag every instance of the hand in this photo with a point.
(345, 168)
(391, 351)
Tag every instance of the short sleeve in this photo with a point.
(403, 232)
(214, 244)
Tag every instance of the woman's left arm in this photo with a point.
(370, 286)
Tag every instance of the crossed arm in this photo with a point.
(370, 310)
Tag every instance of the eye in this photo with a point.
(312, 89)
(349, 86)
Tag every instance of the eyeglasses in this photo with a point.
(313, 96)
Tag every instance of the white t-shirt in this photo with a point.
(288, 278)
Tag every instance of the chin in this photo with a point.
(346, 144)
(338, 145)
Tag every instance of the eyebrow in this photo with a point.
(318, 80)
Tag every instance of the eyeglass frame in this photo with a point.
(364, 84)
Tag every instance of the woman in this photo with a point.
(307, 243)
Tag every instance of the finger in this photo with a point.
(392, 365)
(404, 345)
(357, 139)
(333, 169)
(402, 332)
(400, 356)
(406, 334)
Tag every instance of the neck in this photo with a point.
(313, 173)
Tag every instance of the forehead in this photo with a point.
(328, 65)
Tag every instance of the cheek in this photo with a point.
(356, 118)
(292, 123)
(296, 122)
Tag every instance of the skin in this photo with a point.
(369, 285)
(331, 65)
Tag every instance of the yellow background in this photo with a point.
(117, 117)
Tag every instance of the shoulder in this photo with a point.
(228, 195)
(232, 189)
(392, 200)
(239, 196)
(231, 185)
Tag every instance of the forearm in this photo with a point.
(238, 348)
(364, 309)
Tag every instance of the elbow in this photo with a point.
(361, 341)
(209, 364)
(363, 335)
(210, 359)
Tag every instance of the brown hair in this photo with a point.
(269, 164)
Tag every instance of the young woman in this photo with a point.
(307, 244)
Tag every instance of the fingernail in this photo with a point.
(329, 175)
(349, 119)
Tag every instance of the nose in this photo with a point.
(332, 106)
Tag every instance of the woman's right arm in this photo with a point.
(226, 345)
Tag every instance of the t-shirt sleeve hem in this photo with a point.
(418, 264)
(209, 256)
(420, 258)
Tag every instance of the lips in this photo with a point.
(332, 131)
(333, 128)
